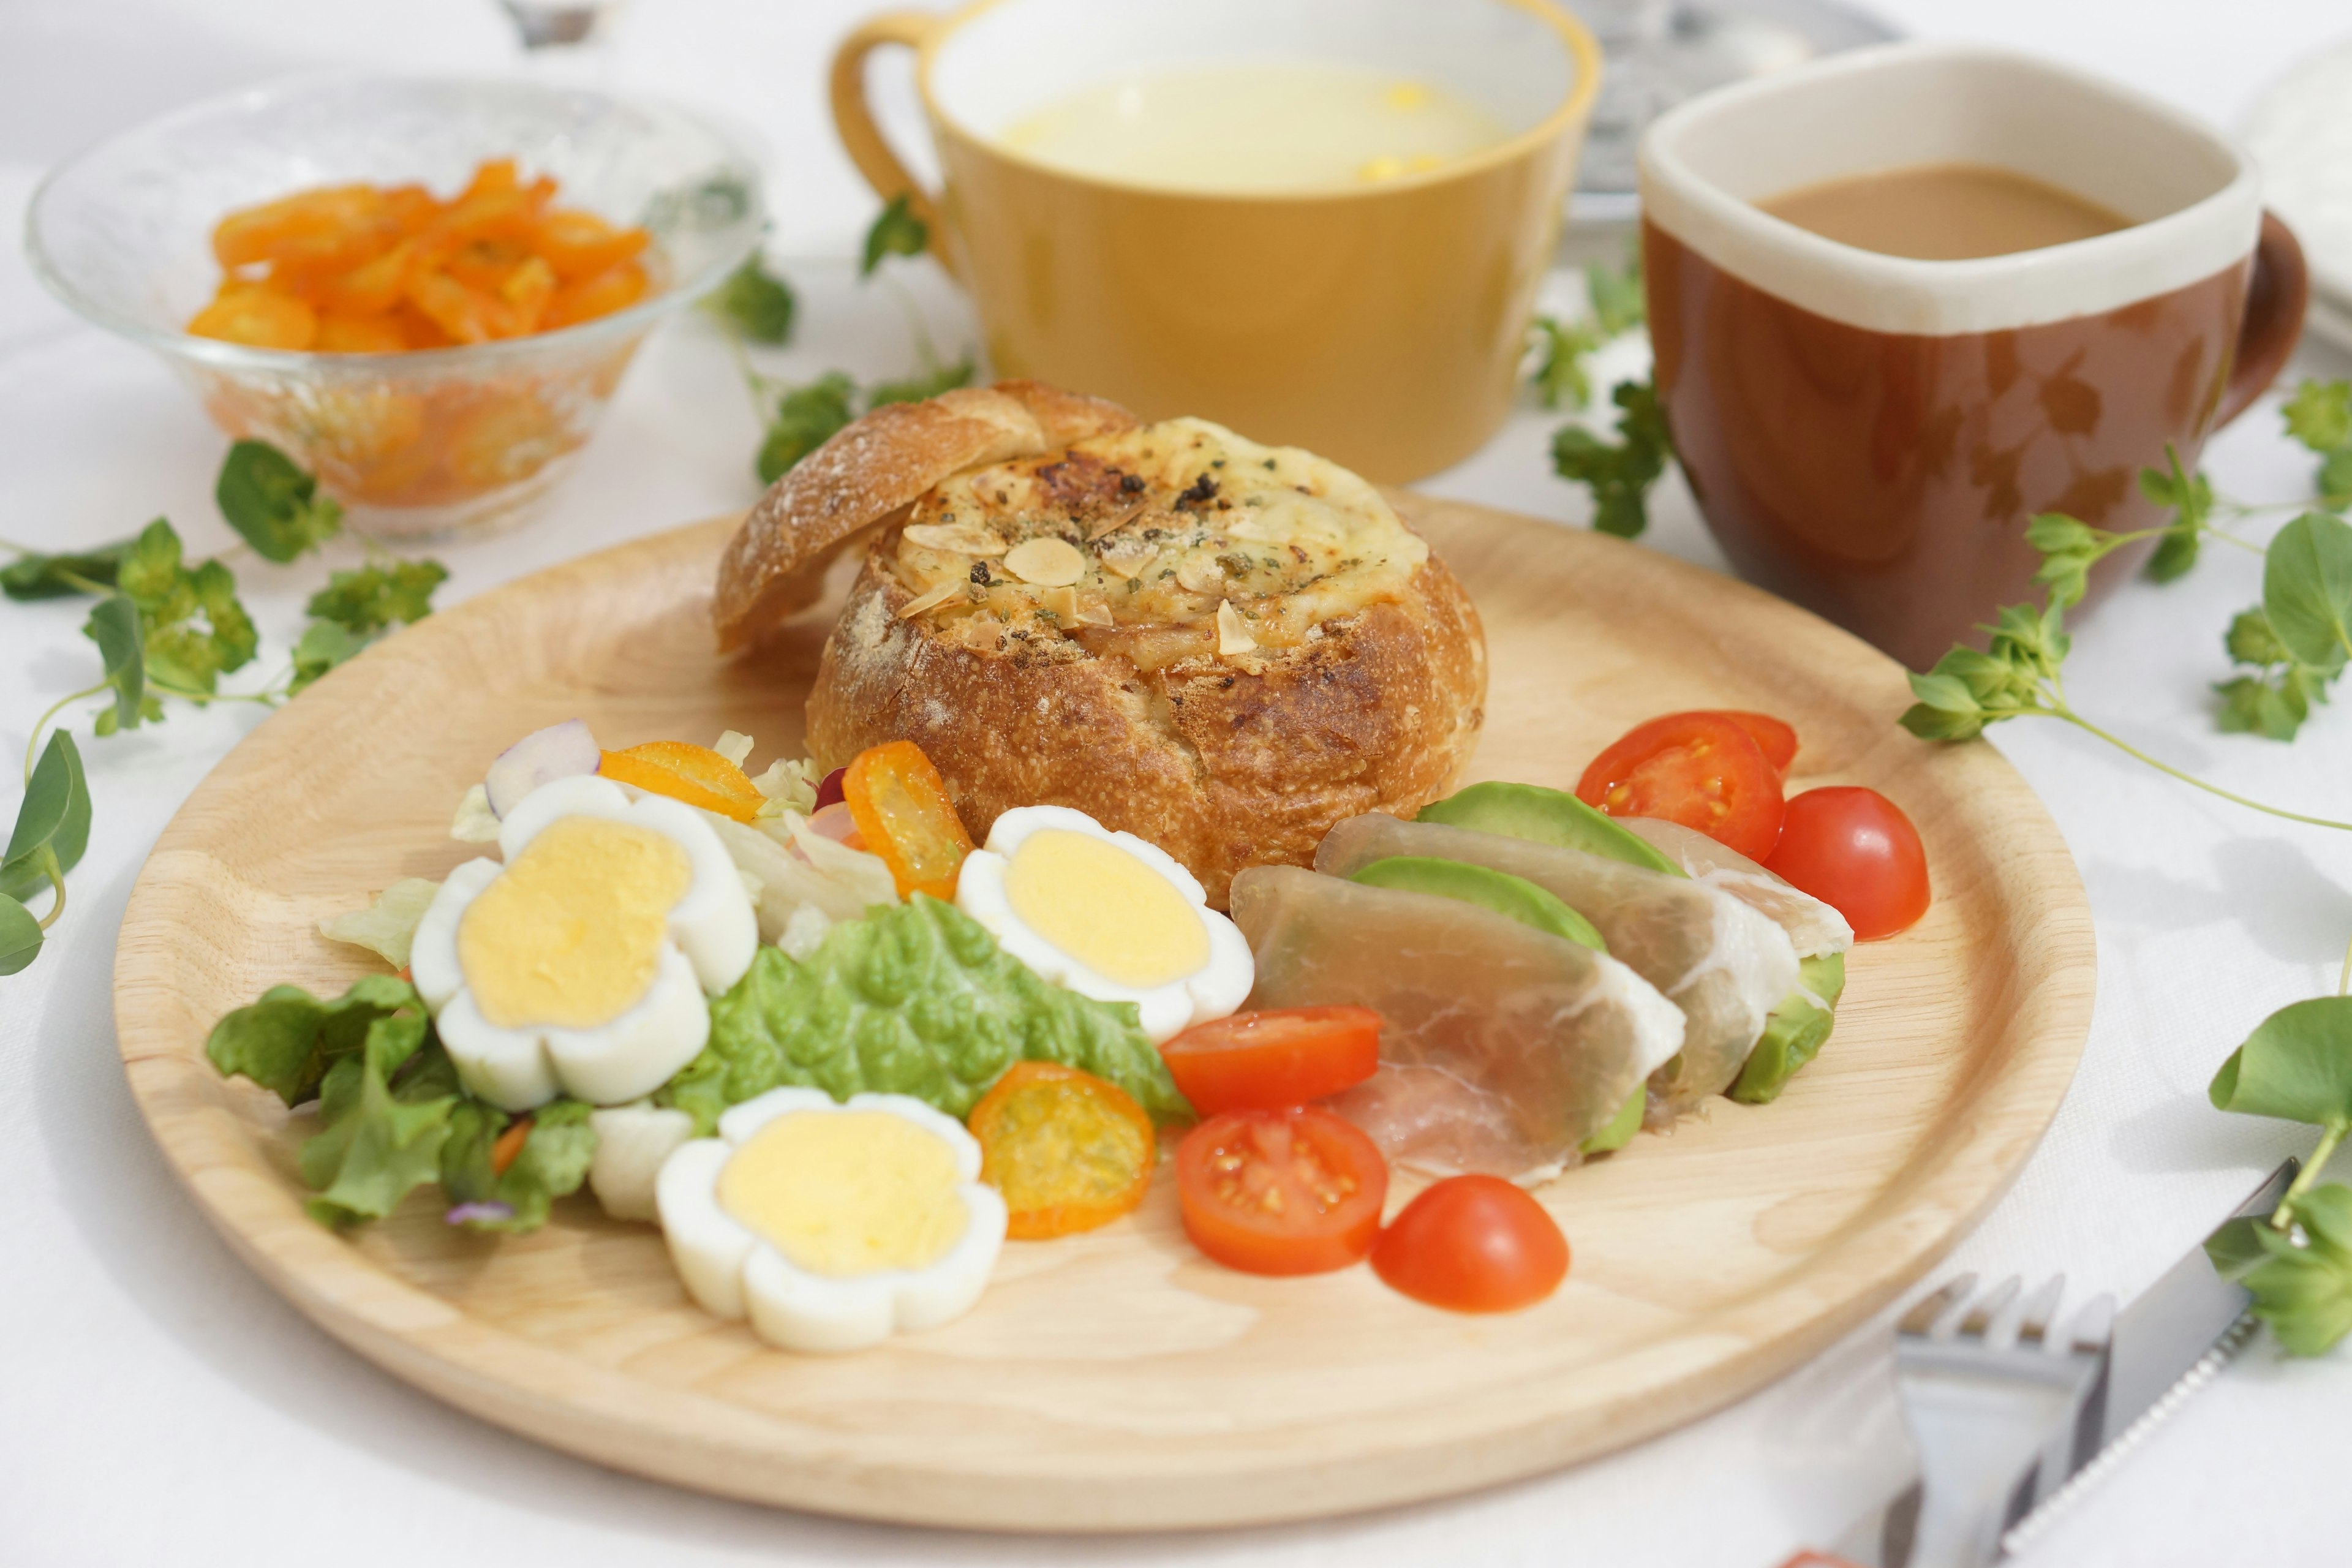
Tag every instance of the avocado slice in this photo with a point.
(1496, 890)
(1794, 1032)
(1621, 1128)
(1546, 816)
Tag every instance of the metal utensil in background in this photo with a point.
(2173, 1339)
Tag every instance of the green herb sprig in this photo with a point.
(1616, 307)
(1619, 473)
(796, 418)
(755, 304)
(166, 629)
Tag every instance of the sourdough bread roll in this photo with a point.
(1222, 647)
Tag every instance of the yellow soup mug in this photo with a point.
(1379, 321)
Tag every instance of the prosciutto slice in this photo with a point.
(1814, 928)
(1721, 962)
(1502, 1048)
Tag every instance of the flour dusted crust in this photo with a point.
(1254, 648)
(869, 472)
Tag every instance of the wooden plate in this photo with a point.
(1118, 1381)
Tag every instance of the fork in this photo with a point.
(1998, 1406)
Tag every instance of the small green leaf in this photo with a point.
(55, 816)
(2189, 498)
(2236, 1247)
(2176, 554)
(287, 1040)
(1559, 377)
(2251, 640)
(2307, 589)
(2319, 415)
(150, 573)
(2304, 1293)
(371, 599)
(384, 1115)
(113, 625)
(62, 577)
(1618, 305)
(897, 231)
(916, 388)
(2297, 1064)
(2274, 709)
(754, 304)
(2334, 479)
(273, 505)
(322, 646)
(1619, 475)
(805, 417)
(20, 936)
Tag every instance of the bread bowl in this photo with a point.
(1220, 647)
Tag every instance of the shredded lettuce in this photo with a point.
(388, 926)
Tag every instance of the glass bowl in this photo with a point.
(432, 442)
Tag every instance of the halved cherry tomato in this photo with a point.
(1773, 737)
(1701, 769)
(1854, 849)
(1068, 1149)
(1277, 1057)
(901, 807)
(1281, 1192)
(695, 774)
(1472, 1243)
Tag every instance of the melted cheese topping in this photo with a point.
(845, 1193)
(571, 933)
(1105, 908)
(1171, 522)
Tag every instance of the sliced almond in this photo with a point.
(954, 537)
(1233, 637)
(1096, 613)
(1062, 602)
(1045, 562)
(931, 600)
(1117, 520)
(1128, 557)
(1200, 573)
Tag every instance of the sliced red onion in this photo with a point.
(467, 1214)
(559, 751)
(829, 790)
(834, 822)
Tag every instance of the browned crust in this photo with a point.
(869, 473)
(1222, 768)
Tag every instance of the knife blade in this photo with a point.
(2173, 1339)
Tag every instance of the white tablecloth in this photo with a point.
(157, 1404)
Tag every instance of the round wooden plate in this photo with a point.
(1117, 1380)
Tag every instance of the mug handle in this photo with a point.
(853, 119)
(2276, 293)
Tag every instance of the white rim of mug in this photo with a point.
(1903, 295)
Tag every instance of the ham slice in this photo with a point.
(1502, 1048)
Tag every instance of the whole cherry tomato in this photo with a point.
(1472, 1243)
(1854, 849)
(1274, 1058)
(1281, 1192)
(1701, 769)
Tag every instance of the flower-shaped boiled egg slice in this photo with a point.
(1108, 915)
(582, 965)
(832, 1226)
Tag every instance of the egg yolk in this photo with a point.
(845, 1193)
(1105, 908)
(570, 934)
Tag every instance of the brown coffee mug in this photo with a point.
(1869, 435)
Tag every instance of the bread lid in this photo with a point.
(869, 473)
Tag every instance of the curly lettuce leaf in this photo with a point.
(286, 1041)
(384, 1116)
(553, 1162)
(916, 999)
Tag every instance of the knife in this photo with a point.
(2169, 1342)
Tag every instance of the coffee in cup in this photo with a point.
(1906, 299)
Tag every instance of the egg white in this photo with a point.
(732, 1272)
(711, 936)
(1215, 989)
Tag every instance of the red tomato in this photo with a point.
(1775, 738)
(1272, 1059)
(1702, 770)
(1472, 1243)
(1854, 849)
(1281, 1192)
